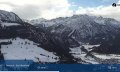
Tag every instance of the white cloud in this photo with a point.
(49, 9)
(29, 9)
(119, 1)
(105, 11)
(5, 7)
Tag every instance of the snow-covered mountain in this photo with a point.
(75, 18)
(9, 16)
(77, 39)
(85, 27)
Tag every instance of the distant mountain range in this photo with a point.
(86, 28)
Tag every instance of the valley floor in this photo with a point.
(94, 58)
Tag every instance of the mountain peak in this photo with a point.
(6, 16)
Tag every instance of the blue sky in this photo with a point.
(90, 3)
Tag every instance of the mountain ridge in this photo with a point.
(85, 26)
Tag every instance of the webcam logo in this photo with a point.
(114, 4)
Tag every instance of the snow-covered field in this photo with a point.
(78, 53)
(99, 58)
(23, 49)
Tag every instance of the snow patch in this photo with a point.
(100, 22)
(107, 56)
(9, 24)
(89, 47)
